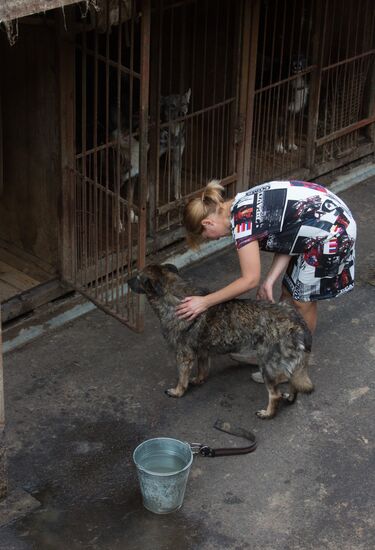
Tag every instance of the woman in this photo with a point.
(310, 230)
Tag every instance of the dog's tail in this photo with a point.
(301, 382)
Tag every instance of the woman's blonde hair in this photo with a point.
(199, 208)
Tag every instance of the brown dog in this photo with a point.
(276, 332)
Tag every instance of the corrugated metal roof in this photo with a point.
(13, 9)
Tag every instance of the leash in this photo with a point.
(205, 450)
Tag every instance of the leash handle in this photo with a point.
(205, 450)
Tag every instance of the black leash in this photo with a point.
(205, 450)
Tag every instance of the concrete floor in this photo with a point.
(79, 400)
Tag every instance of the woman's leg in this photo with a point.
(308, 310)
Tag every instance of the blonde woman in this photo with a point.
(310, 230)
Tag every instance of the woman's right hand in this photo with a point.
(265, 292)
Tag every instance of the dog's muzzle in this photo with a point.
(136, 286)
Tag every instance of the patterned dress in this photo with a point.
(309, 223)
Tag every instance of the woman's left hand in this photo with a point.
(191, 307)
(265, 292)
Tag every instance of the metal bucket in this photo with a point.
(163, 466)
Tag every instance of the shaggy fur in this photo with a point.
(276, 332)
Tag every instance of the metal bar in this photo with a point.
(130, 206)
(182, 88)
(251, 91)
(106, 195)
(200, 112)
(318, 45)
(3, 454)
(307, 71)
(348, 60)
(110, 63)
(155, 75)
(107, 145)
(243, 93)
(225, 182)
(67, 225)
(345, 131)
(327, 166)
(371, 89)
(204, 84)
(95, 250)
(83, 234)
(193, 126)
(213, 135)
(230, 153)
(144, 101)
(116, 205)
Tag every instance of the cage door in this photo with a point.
(108, 181)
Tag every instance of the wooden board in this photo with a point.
(19, 274)
(27, 267)
(16, 278)
(20, 304)
(13, 9)
(7, 291)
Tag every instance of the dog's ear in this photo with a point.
(172, 268)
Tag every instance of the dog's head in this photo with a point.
(155, 280)
(298, 63)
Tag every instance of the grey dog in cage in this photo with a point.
(276, 332)
(171, 140)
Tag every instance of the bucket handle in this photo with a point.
(223, 426)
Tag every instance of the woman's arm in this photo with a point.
(249, 258)
(279, 265)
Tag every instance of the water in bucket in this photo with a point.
(163, 466)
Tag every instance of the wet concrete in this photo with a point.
(80, 399)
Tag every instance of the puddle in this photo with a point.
(118, 522)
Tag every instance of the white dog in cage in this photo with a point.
(296, 103)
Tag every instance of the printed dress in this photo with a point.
(307, 222)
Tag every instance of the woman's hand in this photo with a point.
(265, 291)
(191, 307)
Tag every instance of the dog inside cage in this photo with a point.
(293, 106)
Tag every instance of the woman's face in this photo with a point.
(215, 226)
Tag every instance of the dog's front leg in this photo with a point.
(291, 132)
(274, 398)
(203, 369)
(185, 362)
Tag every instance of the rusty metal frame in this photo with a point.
(112, 78)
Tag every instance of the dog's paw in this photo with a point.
(173, 392)
(264, 415)
(289, 398)
(280, 148)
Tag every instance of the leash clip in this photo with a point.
(205, 450)
(196, 448)
(200, 449)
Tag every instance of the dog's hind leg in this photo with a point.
(185, 363)
(274, 398)
(203, 369)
